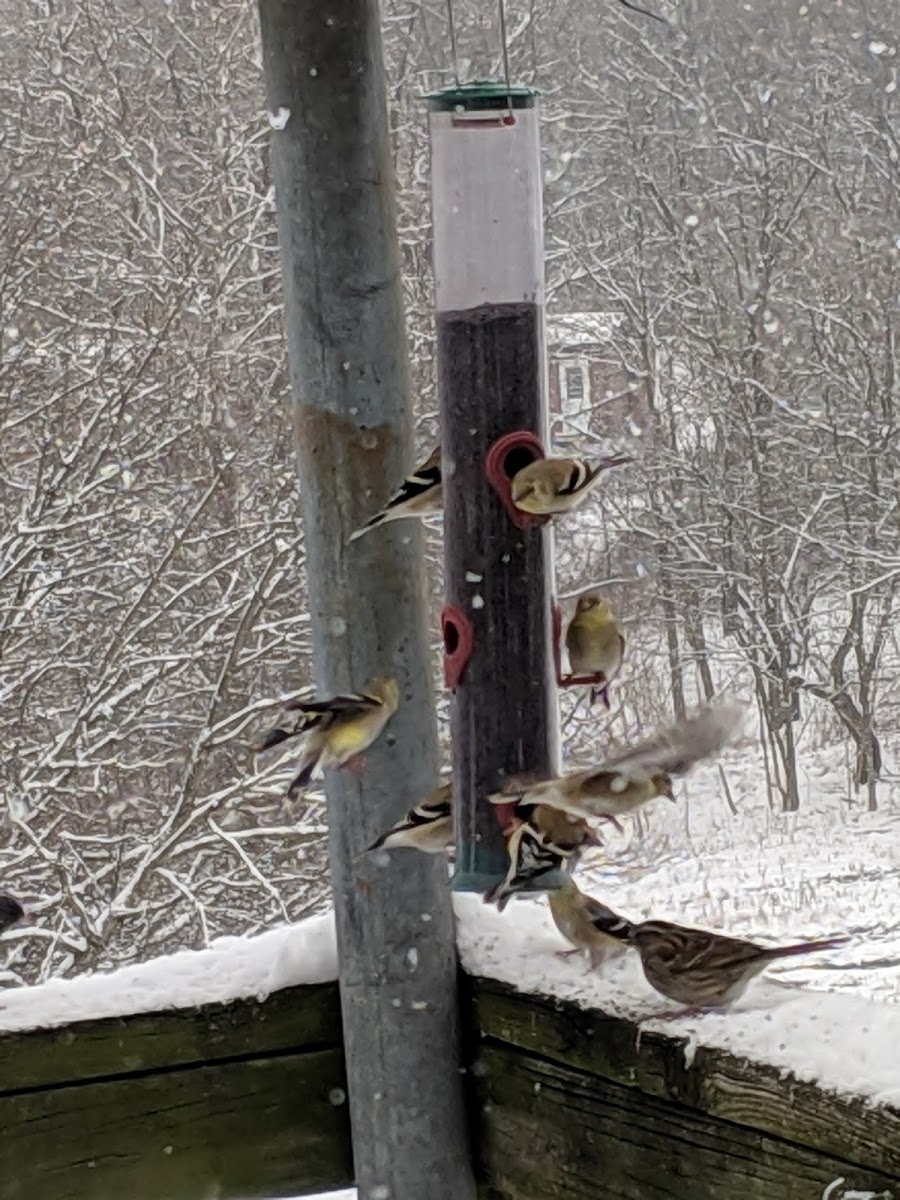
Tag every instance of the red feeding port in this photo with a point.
(459, 642)
(505, 813)
(508, 455)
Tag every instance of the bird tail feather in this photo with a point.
(274, 737)
(372, 523)
(809, 947)
(304, 775)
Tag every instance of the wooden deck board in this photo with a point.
(245, 1101)
(716, 1082)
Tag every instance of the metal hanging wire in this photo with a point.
(453, 50)
(505, 47)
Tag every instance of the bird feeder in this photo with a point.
(489, 297)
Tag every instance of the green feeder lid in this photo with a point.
(480, 95)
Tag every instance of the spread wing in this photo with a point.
(302, 716)
(680, 746)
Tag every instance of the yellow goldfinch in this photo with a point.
(334, 731)
(595, 643)
(419, 495)
(639, 773)
(582, 920)
(557, 485)
(702, 969)
(529, 861)
(427, 827)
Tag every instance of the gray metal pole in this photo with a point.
(343, 311)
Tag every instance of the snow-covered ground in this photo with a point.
(829, 868)
(763, 874)
(838, 1040)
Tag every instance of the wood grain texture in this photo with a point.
(296, 1018)
(554, 1133)
(246, 1101)
(236, 1130)
(716, 1083)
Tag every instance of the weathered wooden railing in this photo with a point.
(246, 1100)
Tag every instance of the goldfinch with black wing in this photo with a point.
(549, 486)
(581, 920)
(632, 777)
(539, 842)
(420, 495)
(427, 827)
(334, 731)
(530, 860)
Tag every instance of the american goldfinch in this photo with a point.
(427, 827)
(529, 862)
(334, 731)
(639, 773)
(11, 912)
(538, 846)
(557, 485)
(582, 920)
(702, 969)
(419, 495)
(561, 832)
(595, 644)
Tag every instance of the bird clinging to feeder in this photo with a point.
(631, 777)
(333, 731)
(540, 841)
(549, 486)
(420, 495)
(596, 645)
(701, 969)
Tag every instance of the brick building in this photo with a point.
(588, 382)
